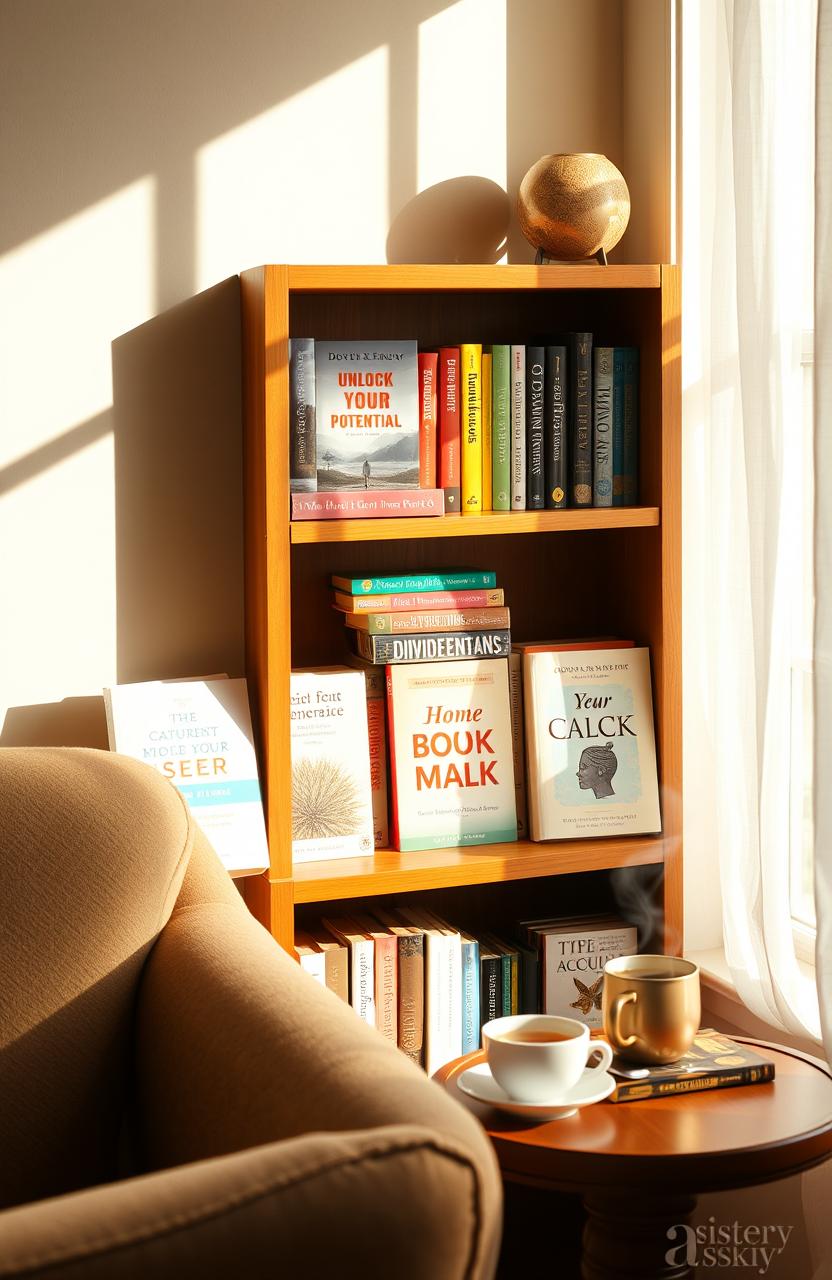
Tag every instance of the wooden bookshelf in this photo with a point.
(613, 571)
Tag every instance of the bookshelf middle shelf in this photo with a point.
(488, 523)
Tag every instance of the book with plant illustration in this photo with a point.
(332, 810)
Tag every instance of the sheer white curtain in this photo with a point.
(747, 138)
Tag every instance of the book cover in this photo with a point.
(470, 993)
(332, 810)
(714, 1061)
(487, 434)
(518, 737)
(430, 580)
(618, 365)
(361, 950)
(414, 601)
(443, 986)
(427, 364)
(491, 983)
(580, 418)
(367, 415)
(381, 624)
(630, 428)
(555, 428)
(591, 756)
(303, 475)
(438, 646)
(310, 956)
(535, 477)
(470, 359)
(411, 988)
(450, 443)
(337, 969)
(501, 427)
(451, 759)
(386, 969)
(197, 734)
(602, 427)
(358, 504)
(518, 428)
(573, 955)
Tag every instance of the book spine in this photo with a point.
(358, 504)
(476, 579)
(427, 361)
(393, 775)
(442, 646)
(412, 996)
(338, 972)
(515, 684)
(631, 379)
(505, 984)
(454, 996)
(532, 747)
(635, 1091)
(491, 994)
(535, 478)
(314, 963)
(580, 404)
(501, 427)
(487, 434)
(450, 445)
(303, 475)
(418, 601)
(618, 362)
(515, 982)
(555, 428)
(602, 427)
(362, 980)
(470, 995)
(377, 624)
(386, 986)
(530, 981)
(378, 769)
(470, 359)
(435, 983)
(518, 428)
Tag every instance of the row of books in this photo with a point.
(420, 748)
(383, 429)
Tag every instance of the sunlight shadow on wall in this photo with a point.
(462, 220)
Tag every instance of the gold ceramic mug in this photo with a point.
(651, 1007)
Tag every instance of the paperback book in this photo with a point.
(450, 444)
(430, 580)
(302, 435)
(573, 954)
(412, 601)
(380, 624)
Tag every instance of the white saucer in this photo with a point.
(479, 1083)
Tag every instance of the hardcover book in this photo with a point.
(555, 429)
(302, 468)
(427, 419)
(535, 479)
(197, 733)
(573, 954)
(487, 434)
(451, 759)
(386, 969)
(501, 427)
(602, 427)
(491, 983)
(336, 960)
(580, 415)
(470, 358)
(412, 601)
(367, 414)
(332, 809)
(438, 646)
(411, 988)
(443, 987)
(518, 428)
(714, 1061)
(430, 580)
(361, 949)
(358, 504)
(590, 744)
(471, 1022)
(518, 734)
(450, 460)
(311, 957)
(381, 624)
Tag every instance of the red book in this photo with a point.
(367, 504)
(427, 419)
(450, 450)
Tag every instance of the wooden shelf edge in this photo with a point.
(419, 278)
(391, 872)
(489, 524)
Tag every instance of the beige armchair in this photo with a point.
(177, 1098)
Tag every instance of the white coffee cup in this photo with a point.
(538, 1057)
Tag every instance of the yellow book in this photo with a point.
(470, 359)
(487, 504)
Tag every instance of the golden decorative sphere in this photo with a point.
(573, 206)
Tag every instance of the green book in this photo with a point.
(501, 427)
(441, 580)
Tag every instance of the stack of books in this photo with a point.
(384, 429)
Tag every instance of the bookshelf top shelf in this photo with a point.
(484, 525)
(357, 279)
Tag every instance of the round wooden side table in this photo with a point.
(640, 1165)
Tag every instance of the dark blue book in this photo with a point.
(580, 419)
(555, 432)
(535, 470)
(630, 470)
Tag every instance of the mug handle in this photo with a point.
(599, 1046)
(629, 997)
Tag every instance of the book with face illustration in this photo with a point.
(590, 742)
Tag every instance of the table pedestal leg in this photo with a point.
(629, 1237)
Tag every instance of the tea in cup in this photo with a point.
(539, 1057)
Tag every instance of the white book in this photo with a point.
(518, 428)
(332, 808)
(197, 733)
(362, 965)
(312, 959)
(443, 987)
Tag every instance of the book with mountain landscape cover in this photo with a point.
(573, 952)
(580, 418)
(427, 362)
(451, 759)
(590, 744)
(332, 810)
(555, 429)
(428, 580)
(432, 646)
(411, 601)
(387, 624)
(714, 1061)
(197, 734)
(535, 472)
(302, 436)
(367, 415)
(367, 504)
(450, 443)
(518, 428)
(602, 378)
(470, 360)
(501, 427)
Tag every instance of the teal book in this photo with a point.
(441, 580)
(602, 427)
(470, 993)
(501, 427)
(618, 364)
